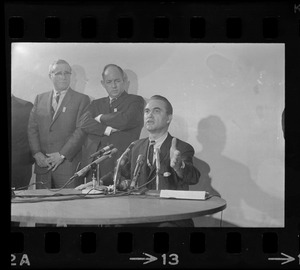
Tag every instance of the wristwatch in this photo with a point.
(62, 156)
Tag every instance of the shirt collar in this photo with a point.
(55, 93)
(160, 140)
(115, 98)
(110, 99)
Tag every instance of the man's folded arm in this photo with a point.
(127, 119)
(90, 126)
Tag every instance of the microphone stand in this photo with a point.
(98, 174)
(94, 163)
(157, 150)
(96, 169)
(116, 174)
(157, 179)
(117, 168)
(140, 163)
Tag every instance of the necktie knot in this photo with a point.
(55, 103)
(112, 100)
(57, 97)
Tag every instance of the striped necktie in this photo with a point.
(57, 98)
(55, 104)
(110, 104)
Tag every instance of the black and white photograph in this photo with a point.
(147, 134)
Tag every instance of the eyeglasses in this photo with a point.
(67, 73)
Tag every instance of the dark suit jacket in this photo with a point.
(126, 115)
(61, 134)
(20, 111)
(21, 158)
(190, 174)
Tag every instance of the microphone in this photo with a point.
(157, 163)
(139, 163)
(123, 159)
(102, 151)
(97, 161)
(136, 173)
(116, 173)
(128, 149)
(157, 158)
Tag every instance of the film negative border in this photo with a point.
(163, 22)
(156, 248)
(266, 22)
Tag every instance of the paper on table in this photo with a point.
(184, 194)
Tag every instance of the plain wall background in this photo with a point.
(227, 98)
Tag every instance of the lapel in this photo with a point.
(119, 101)
(100, 106)
(49, 104)
(165, 149)
(63, 104)
(106, 105)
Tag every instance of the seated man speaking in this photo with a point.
(176, 166)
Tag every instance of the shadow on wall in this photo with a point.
(133, 82)
(78, 79)
(247, 204)
(144, 132)
(133, 88)
(179, 128)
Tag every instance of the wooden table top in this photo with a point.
(96, 210)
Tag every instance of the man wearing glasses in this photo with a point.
(53, 130)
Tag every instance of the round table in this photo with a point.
(130, 209)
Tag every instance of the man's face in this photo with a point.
(61, 76)
(156, 118)
(113, 82)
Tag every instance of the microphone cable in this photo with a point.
(70, 180)
(140, 187)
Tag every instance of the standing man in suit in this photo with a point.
(116, 119)
(21, 158)
(54, 132)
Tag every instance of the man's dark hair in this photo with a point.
(169, 107)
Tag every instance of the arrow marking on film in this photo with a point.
(147, 259)
(287, 258)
